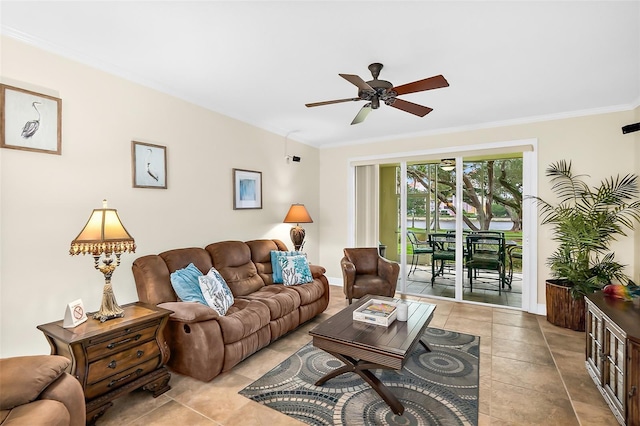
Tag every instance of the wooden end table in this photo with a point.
(113, 358)
(363, 347)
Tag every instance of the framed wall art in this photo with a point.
(247, 189)
(149, 164)
(30, 121)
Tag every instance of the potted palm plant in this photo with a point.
(585, 221)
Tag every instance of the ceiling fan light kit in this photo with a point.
(448, 164)
(376, 90)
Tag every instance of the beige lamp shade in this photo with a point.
(103, 233)
(298, 214)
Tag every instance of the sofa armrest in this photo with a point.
(189, 312)
(23, 378)
(68, 390)
(317, 271)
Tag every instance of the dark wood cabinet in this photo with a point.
(633, 409)
(113, 358)
(613, 354)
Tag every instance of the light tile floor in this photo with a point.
(531, 373)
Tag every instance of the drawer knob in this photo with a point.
(112, 364)
(632, 391)
(139, 353)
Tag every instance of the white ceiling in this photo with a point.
(260, 62)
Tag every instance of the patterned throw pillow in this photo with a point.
(295, 270)
(216, 291)
(185, 284)
(275, 264)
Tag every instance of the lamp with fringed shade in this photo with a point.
(297, 214)
(105, 235)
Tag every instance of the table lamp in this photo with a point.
(297, 214)
(105, 235)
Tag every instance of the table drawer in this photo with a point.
(117, 362)
(120, 340)
(120, 379)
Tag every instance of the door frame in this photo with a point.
(529, 149)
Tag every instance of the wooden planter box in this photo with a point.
(562, 309)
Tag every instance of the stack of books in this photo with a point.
(377, 312)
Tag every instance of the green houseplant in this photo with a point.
(585, 221)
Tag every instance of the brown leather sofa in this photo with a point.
(204, 344)
(35, 390)
(364, 272)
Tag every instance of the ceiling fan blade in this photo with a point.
(410, 107)
(435, 82)
(356, 81)
(337, 101)
(362, 114)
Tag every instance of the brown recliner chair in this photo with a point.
(35, 390)
(364, 272)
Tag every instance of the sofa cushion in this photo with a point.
(243, 318)
(24, 378)
(295, 270)
(153, 281)
(233, 260)
(281, 300)
(215, 291)
(186, 284)
(261, 256)
(181, 258)
(309, 292)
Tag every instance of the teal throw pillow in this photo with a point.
(295, 270)
(216, 291)
(275, 264)
(185, 284)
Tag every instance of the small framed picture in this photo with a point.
(30, 121)
(247, 189)
(149, 164)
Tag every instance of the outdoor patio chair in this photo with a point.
(418, 247)
(486, 252)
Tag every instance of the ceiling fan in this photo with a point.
(376, 90)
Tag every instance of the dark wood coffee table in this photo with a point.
(363, 347)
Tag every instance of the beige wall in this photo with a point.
(46, 199)
(594, 143)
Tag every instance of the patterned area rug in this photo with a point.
(436, 388)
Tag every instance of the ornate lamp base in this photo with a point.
(109, 308)
(297, 237)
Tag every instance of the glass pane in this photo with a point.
(492, 215)
(429, 202)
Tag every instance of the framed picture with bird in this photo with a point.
(30, 121)
(149, 164)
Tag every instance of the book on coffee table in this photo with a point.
(376, 312)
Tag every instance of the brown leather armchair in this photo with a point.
(364, 272)
(35, 390)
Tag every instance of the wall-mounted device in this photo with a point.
(630, 128)
(293, 158)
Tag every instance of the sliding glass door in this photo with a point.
(454, 225)
(492, 223)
